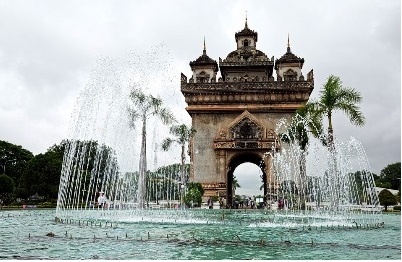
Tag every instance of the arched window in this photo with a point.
(290, 75)
(203, 77)
(245, 43)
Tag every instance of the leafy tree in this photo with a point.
(336, 97)
(6, 189)
(42, 174)
(289, 191)
(197, 186)
(182, 134)
(193, 197)
(164, 183)
(194, 194)
(13, 159)
(146, 106)
(387, 198)
(392, 175)
(288, 186)
(361, 183)
(6, 184)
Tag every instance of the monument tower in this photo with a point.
(235, 115)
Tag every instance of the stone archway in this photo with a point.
(244, 139)
(234, 162)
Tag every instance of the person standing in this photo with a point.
(210, 203)
(102, 200)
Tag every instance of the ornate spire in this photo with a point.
(205, 48)
(246, 26)
(204, 59)
(289, 57)
(247, 32)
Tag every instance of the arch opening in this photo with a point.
(251, 169)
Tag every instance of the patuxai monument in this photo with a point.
(235, 114)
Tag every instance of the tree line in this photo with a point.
(24, 175)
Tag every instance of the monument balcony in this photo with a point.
(235, 96)
(233, 87)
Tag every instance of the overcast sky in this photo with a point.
(48, 49)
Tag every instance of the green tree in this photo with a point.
(392, 175)
(182, 135)
(42, 174)
(335, 97)
(193, 198)
(307, 120)
(6, 189)
(196, 186)
(146, 106)
(13, 159)
(194, 194)
(235, 185)
(387, 198)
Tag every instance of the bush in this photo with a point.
(47, 205)
(387, 198)
(193, 197)
(215, 198)
(397, 208)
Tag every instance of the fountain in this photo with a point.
(103, 151)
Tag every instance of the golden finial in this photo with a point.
(246, 26)
(288, 41)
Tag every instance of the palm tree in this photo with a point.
(336, 97)
(307, 120)
(235, 185)
(182, 134)
(146, 106)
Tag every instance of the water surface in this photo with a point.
(199, 234)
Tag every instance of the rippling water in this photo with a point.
(199, 234)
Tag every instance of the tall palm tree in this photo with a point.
(307, 120)
(235, 185)
(146, 106)
(336, 97)
(182, 134)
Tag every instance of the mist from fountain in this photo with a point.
(317, 185)
(103, 147)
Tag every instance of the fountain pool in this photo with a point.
(199, 234)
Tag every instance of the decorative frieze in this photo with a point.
(236, 144)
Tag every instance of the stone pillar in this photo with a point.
(222, 166)
(271, 181)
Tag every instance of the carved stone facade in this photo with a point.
(235, 117)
